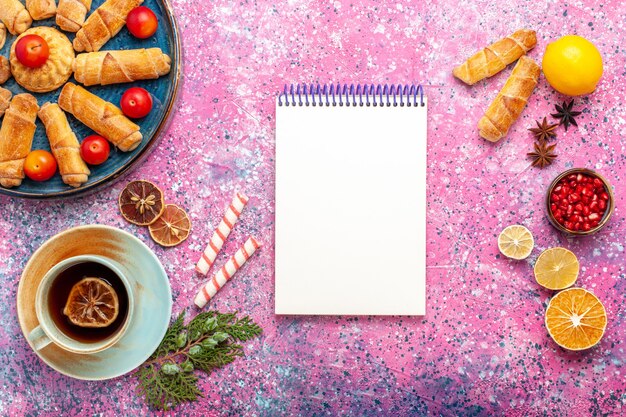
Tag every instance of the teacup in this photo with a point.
(52, 329)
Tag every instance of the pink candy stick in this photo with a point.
(226, 272)
(221, 233)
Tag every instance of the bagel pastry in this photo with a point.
(14, 16)
(112, 67)
(103, 24)
(71, 14)
(5, 100)
(3, 34)
(16, 138)
(64, 145)
(57, 69)
(5, 70)
(100, 116)
(510, 101)
(494, 58)
(41, 9)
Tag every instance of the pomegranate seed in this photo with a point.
(593, 216)
(571, 177)
(553, 208)
(555, 197)
(573, 198)
(586, 227)
(602, 205)
(579, 177)
(604, 196)
(597, 183)
(577, 226)
(586, 210)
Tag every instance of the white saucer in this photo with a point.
(153, 304)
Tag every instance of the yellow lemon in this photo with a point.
(572, 65)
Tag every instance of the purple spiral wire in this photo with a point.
(383, 95)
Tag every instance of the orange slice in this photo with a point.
(556, 268)
(172, 227)
(516, 242)
(141, 202)
(576, 319)
(92, 303)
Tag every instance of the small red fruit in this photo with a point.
(136, 103)
(95, 150)
(40, 165)
(32, 51)
(142, 22)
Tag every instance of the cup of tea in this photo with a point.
(84, 304)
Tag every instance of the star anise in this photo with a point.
(544, 131)
(566, 114)
(543, 154)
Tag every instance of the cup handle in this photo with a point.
(38, 338)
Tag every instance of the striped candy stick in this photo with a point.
(208, 291)
(221, 233)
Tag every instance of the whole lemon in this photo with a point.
(572, 65)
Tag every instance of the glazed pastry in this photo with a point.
(510, 101)
(101, 116)
(16, 138)
(5, 69)
(103, 24)
(41, 9)
(64, 145)
(57, 69)
(496, 57)
(14, 16)
(71, 14)
(5, 99)
(112, 67)
(3, 34)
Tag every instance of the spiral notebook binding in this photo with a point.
(352, 95)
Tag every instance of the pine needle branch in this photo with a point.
(207, 342)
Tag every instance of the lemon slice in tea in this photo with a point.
(92, 303)
(172, 227)
(556, 269)
(516, 242)
(576, 319)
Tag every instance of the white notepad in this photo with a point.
(351, 201)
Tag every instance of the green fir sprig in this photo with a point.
(207, 342)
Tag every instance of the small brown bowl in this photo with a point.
(607, 214)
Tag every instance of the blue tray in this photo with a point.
(164, 91)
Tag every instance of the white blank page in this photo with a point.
(350, 210)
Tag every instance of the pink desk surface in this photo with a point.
(482, 348)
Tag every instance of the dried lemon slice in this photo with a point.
(92, 303)
(172, 227)
(516, 242)
(576, 319)
(141, 202)
(556, 269)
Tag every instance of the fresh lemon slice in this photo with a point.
(576, 319)
(556, 268)
(516, 242)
